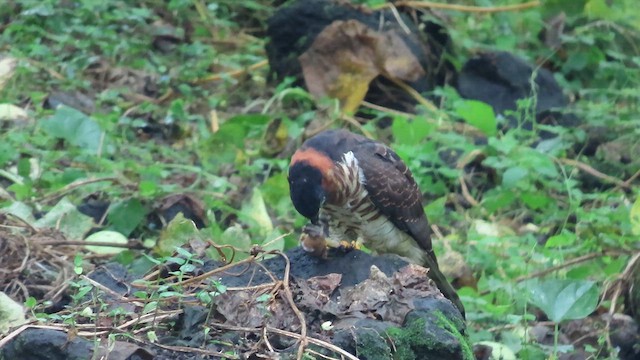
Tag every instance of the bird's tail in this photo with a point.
(443, 284)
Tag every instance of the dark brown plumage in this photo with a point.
(351, 187)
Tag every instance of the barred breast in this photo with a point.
(354, 217)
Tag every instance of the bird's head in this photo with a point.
(308, 182)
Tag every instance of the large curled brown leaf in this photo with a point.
(347, 55)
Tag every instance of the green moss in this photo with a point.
(372, 346)
(452, 328)
(408, 337)
(412, 338)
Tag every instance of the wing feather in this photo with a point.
(394, 191)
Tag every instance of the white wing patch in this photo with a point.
(356, 213)
(350, 163)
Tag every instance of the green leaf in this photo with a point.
(497, 199)
(565, 238)
(126, 215)
(147, 188)
(273, 241)
(108, 237)
(66, 217)
(412, 132)
(255, 211)
(565, 299)
(479, 115)
(238, 238)
(74, 127)
(512, 175)
(634, 217)
(535, 200)
(177, 233)
(21, 210)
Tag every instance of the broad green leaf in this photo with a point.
(273, 241)
(106, 236)
(537, 162)
(512, 175)
(634, 216)
(178, 232)
(479, 115)
(565, 238)
(65, 216)
(235, 236)
(275, 191)
(75, 127)
(255, 211)
(564, 299)
(412, 132)
(21, 210)
(499, 351)
(496, 199)
(535, 200)
(126, 215)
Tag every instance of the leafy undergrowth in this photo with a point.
(117, 116)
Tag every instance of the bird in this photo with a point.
(352, 188)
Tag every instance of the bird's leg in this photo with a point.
(313, 240)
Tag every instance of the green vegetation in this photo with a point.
(172, 97)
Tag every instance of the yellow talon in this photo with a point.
(349, 245)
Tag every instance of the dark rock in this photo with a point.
(74, 99)
(500, 79)
(51, 344)
(428, 333)
(292, 30)
(625, 335)
(46, 344)
(367, 338)
(354, 267)
(434, 329)
(94, 208)
(113, 276)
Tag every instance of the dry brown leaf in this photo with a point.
(370, 294)
(347, 55)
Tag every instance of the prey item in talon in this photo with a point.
(314, 241)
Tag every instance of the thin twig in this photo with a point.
(463, 184)
(632, 178)
(89, 243)
(77, 184)
(568, 263)
(458, 127)
(414, 94)
(233, 74)
(626, 274)
(591, 171)
(201, 276)
(314, 341)
(466, 8)
(289, 296)
(351, 120)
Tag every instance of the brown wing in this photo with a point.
(395, 193)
